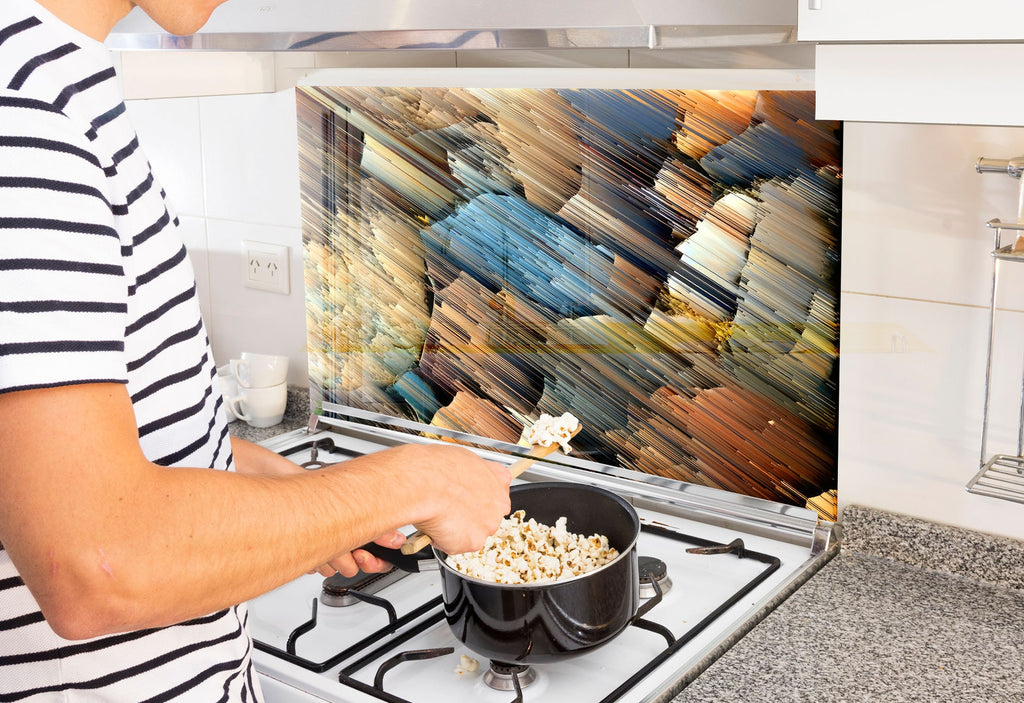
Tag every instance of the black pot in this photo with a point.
(543, 622)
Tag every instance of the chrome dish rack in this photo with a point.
(1001, 475)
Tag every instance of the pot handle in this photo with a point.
(416, 562)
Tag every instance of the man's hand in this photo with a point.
(351, 563)
(467, 497)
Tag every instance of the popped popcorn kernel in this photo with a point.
(467, 665)
(550, 430)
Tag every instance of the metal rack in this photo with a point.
(1001, 475)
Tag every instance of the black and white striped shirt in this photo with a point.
(95, 286)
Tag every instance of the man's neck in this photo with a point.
(94, 18)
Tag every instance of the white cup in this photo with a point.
(260, 407)
(228, 387)
(260, 370)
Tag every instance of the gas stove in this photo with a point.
(712, 565)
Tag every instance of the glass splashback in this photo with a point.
(661, 263)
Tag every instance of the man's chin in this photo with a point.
(181, 19)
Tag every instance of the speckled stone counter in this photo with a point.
(908, 611)
(296, 414)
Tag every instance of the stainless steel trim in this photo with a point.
(641, 36)
(623, 37)
(369, 416)
(789, 522)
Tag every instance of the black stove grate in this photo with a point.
(771, 563)
(349, 652)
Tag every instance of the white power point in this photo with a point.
(265, 267)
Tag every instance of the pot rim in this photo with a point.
(440, 555)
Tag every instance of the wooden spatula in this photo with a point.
(418, 540)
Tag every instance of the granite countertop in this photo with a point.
(296, 415)
(907, 611)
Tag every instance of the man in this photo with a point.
(131, 523)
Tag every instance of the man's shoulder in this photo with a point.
(29, 114)
(44, 70)
(31, 128)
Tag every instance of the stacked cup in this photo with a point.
(255, 388)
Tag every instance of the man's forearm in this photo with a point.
(251, 458)
(129, 544)
(211, 539)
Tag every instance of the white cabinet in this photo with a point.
(923, 83)
(910, 20)
(920, 61)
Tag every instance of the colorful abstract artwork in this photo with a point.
(661, 263)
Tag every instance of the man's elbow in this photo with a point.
(89, 602)
(73, 623)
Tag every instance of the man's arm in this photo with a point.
(107, 541)
(250, 458)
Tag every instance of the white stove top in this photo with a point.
(776, 559)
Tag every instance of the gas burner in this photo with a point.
(501, 676)
(653, 567)
(340, 591)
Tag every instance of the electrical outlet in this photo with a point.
(265, 267)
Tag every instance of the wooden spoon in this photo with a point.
(418, 540)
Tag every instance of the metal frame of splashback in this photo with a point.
(777, 520)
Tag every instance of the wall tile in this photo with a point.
(292, 66)
(244, 319)
(168, 130)
(166, 74)
(250, 158)
(914, 211)
(910, 408)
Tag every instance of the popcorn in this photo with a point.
(550, 430)
(525, 551)
(467, 665)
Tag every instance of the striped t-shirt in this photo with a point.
(95, 286)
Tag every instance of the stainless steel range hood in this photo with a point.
(369, 25)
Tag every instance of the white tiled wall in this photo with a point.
(230, 167)
(915, 281)
(227, 156)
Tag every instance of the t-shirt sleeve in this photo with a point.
(63, 290)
